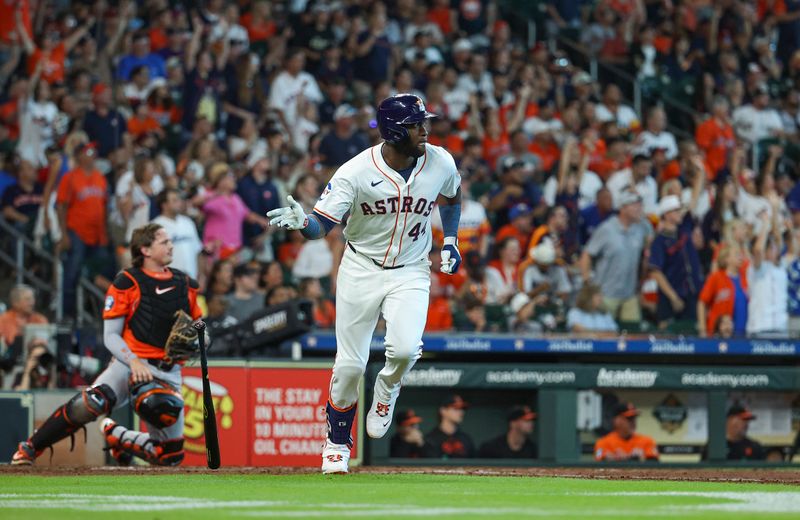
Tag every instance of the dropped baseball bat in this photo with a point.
(209, 416)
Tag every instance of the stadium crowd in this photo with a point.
(580, 214)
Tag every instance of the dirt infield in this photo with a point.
(788, 476)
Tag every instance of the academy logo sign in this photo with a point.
(626, 378)
(433, 377)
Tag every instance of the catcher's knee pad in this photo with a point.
(157, 403)
(170, 453)
(90, 404)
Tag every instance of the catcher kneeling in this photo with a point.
(148, 325)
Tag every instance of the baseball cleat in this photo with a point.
(335, 458)
(25, 454)
(113, 445)
(379, 417)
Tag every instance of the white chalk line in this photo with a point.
(730, 501)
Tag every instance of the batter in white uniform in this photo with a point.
(389, 191)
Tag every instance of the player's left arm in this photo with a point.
(450, 212)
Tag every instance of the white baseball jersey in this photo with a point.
(390, 219)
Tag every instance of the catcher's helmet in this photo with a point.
(398, 110)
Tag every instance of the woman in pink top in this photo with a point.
(225, 212)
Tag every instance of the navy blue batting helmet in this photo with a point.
(398, 110)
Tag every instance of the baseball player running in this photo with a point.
(390, 191)
(147, 326)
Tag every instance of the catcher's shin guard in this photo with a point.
(83, 408)
(139, 444)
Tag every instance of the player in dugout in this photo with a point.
(516, 442)
(740, 446)
(149, 326)
(623, 443)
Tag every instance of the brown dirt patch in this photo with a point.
(735, 475)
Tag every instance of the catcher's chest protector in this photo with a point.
(159, 299)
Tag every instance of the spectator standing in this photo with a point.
(344, 141)
(515, 187)
(655, 136)
(408, 442)
(612, 109)
(474, 229)
(38, 121)
(723, 293)
(756, 121)
(520, 225)
(290, 86)
(104, 125)
(245, 299)
(592, 216)
(20, 202)
(447, 441)
(260, 195)
(225, 213)
(767, 280)
(51, 53)
(81, 205)
(638, 177)
(182, 231)
(516, 442)
(141, 55)
(715, 136)
(674, 263)
(617, 244)
(623, 443)
(791, 262)
(501, 273)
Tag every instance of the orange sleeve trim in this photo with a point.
(329, 217)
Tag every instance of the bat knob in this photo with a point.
(200, 325)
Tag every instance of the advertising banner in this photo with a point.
(230, 396)
(520, 375)
(268, 415)
(287, 416)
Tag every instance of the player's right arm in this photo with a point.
(335, 201)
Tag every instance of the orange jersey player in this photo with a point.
(623, 443)
(139, 312)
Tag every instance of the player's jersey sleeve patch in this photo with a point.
(109, 304)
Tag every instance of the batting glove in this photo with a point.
(292, 217)
(451, 258)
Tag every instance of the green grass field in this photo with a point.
(196, 496)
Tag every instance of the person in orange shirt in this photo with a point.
(723, 293)
(21, 313)
(520, 225)
(81, 205)
(715, 136)
(143, 123)
(138, 315)
(623, 443)
(50, 50)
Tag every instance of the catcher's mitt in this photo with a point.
(182, 341)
